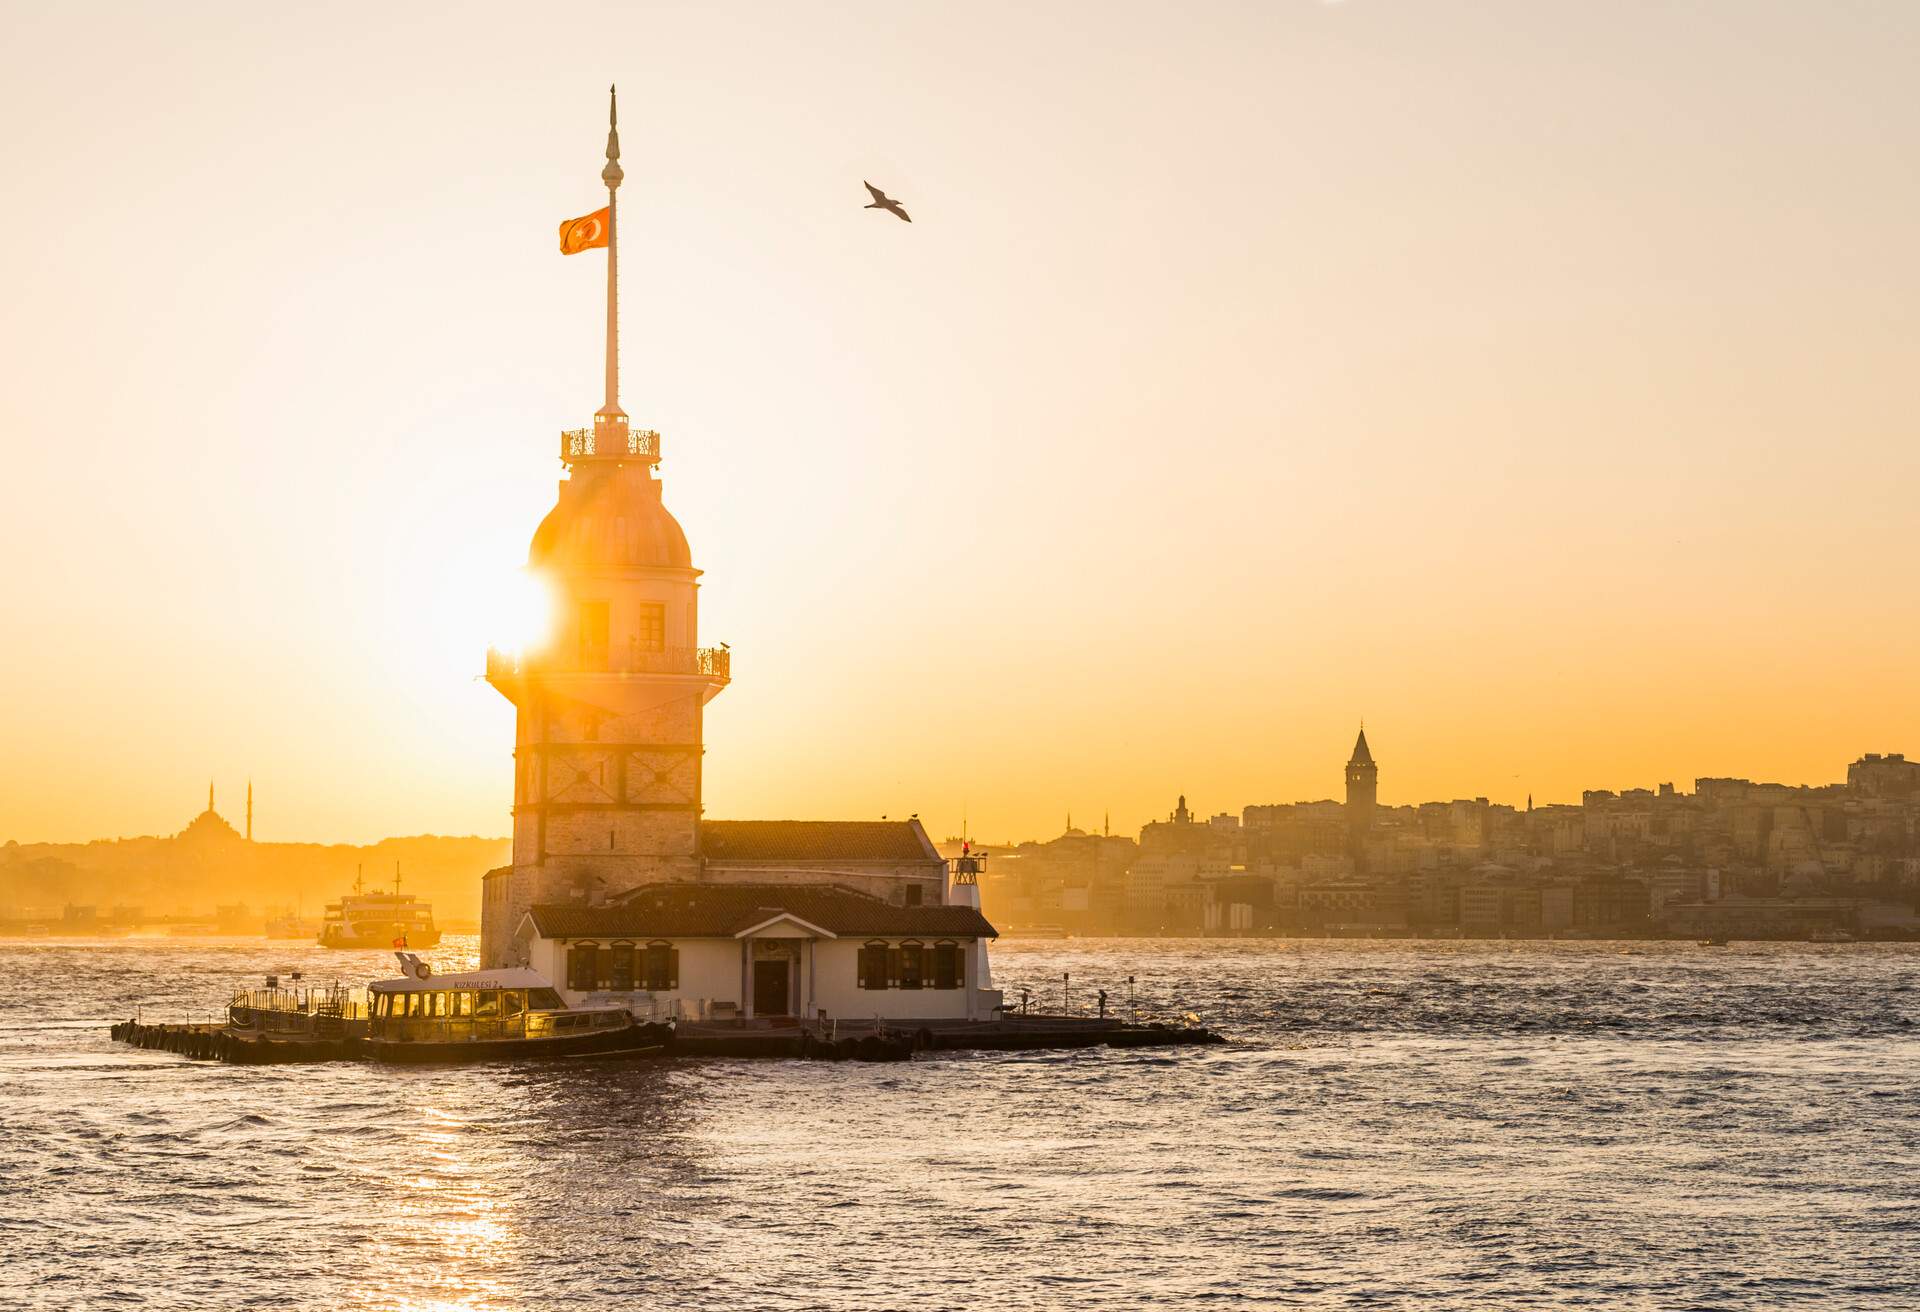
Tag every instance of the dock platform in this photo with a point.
(766, 1038)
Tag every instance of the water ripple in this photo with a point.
(1447, 1125)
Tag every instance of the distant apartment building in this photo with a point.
(1892, 776)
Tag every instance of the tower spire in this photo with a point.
(612, 175)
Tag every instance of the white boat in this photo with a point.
(378, 920)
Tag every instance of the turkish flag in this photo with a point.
(586, 232)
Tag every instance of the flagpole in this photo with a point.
(611, 175)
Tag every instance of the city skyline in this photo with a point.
(1542, 410)
(970, 826)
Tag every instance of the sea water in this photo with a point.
(1396, 1124)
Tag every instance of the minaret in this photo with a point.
(209, 797)
(1363, 779)
(610, 706)
(249, 810)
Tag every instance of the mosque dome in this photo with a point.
(610, 519)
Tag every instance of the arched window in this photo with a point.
(913, 961)
(583, 967)
(661, 967)
(873, 965)
(948, 965)
(620, 967)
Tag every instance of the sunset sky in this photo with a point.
(1533, 379)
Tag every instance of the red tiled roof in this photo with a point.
(814, 840)
(723, 910)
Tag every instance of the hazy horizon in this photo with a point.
(1529, 379)
(1091, 822)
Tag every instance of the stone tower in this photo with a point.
(1363, 779)
(609, 709)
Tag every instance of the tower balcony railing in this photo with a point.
(582, 443)
(711, 662)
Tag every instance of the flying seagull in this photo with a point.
(882, 201)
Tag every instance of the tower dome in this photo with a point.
(609, 518)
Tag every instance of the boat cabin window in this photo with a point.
(544, 999)
(512, 1003)
(486, 1004)
(463, 1004)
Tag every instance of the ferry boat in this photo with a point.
(494, 1015)
(378, 920)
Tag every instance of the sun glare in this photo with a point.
(520, 617)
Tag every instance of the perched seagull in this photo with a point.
(882, 201)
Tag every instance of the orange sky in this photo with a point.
(1533, 379)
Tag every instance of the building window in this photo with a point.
(947, 966)
(873, 965)
(650, 631)
(914, 894)
(660, 968)
(583, 967)
(594, 625)
(913, 960)
(620, 967)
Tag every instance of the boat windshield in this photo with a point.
(458, 1015)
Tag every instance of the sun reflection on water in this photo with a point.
(447, 1238)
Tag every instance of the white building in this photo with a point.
(717, 951)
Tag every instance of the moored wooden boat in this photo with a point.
(494, 1015)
